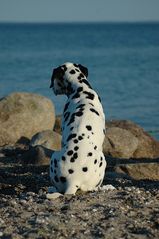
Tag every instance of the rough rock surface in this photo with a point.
(37, 155)
(23, 115)
(41, 148)
(57, 125)
(119, 143)
(48, 139)
(140, 171)
(147, 147)
(129, 211)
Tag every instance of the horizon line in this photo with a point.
(83, 22)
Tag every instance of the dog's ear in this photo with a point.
(57, 73)
(83, 69)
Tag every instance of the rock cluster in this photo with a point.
(32, 117)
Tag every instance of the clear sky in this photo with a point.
(78, 10)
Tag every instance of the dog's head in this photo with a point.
(66, 76)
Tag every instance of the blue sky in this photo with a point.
(78, 10)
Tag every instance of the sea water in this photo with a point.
(122, 59)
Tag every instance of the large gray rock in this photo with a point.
(140, 171)
(119, 143)
(147, 146)
(23, 115)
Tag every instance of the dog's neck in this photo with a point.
(75, 87)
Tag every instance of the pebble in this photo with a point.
(107, 187)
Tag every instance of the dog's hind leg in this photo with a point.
(71, 188)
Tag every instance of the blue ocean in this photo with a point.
(122, 59)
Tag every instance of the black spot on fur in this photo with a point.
(69, 89)
(76, 148)
(89, 95)
(80, 137)
(64, 67)
(89, 154)
(95, 147)
(95, 161)
(80, 106)
(80, 76)
(63, 179)
(75, 156)
(66, 106)
(72, 72)
(72, 119)
(79, 113)
(85, 169)
(94, 111)
(66, 116)
(72, 160)
(70, 171)
(63, 158)
(70, 152)
(86, 82)
(76, 95)
(100, 165)
(89, 127)
(79, 89)
(55, 163)
(56, 179)
(91, 104)
(71, 136)
(75, 141)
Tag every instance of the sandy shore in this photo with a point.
(129, 211)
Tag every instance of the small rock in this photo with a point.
(48, 139)
(107, 187)
(53, 195)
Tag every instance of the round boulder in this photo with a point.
(23, 115)
(119, 143)
(147, 146)
(48, 139)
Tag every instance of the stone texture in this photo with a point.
(48, 139)
(119, 143)
(140, 171)
(147, 146)
(23, 115)
(37, 155)
(57, 126)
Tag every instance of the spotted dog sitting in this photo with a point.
(80, 164)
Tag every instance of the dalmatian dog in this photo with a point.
(80, 164)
